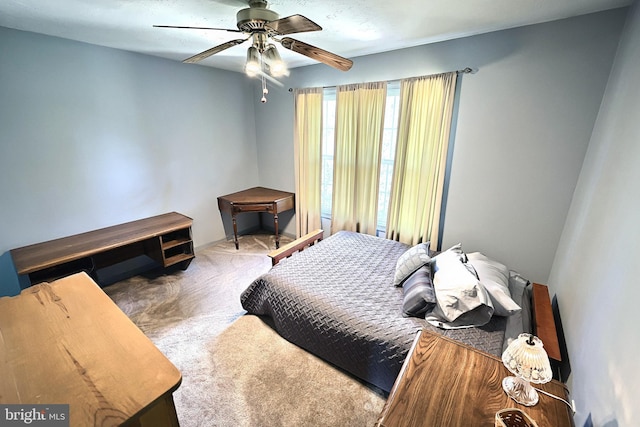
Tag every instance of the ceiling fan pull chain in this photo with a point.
(265, 91)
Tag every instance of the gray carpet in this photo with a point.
(236, 370)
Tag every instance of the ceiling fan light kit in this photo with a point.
(263, 25)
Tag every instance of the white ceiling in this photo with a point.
(351, 28)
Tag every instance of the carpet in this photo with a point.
(237, 371)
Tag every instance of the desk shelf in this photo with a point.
(176, 259)
(175, 242)
(177, 247)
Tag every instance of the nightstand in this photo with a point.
(447, 383)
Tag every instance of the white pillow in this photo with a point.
(495, 278)
(456, 250)
(462, 302)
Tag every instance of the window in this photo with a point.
(328, 137)
(389, 137)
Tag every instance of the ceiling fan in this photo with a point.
(263, 25)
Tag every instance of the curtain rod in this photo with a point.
(466, 70)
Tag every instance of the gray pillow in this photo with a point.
(414, 258)
(519, 322)
(419, 294)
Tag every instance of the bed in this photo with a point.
(337, 300)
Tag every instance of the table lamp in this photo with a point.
(526, 358)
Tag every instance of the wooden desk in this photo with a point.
(446, 383)
(164, 238)
(257, 199)
(66, 342)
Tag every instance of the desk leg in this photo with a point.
(235, 230)
(161, 413)
(275, 223)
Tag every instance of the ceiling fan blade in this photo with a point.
(316, 53)
(198, 28)
(292, 24)
(207, 53)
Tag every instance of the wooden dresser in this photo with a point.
(66, 342)
(446, 383)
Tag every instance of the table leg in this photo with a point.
(235, 230)
(275, 223)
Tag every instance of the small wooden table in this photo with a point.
(446, 383)
(256, 199)
(66, 342)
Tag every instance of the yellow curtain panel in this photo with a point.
(358, 144)
(421, 156)
(308, 158)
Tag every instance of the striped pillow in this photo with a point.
(419, 293)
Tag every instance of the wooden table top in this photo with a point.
(66, 342)
(39, 256)
(256, 195)
(447, 383)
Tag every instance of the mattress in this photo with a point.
(337, 300)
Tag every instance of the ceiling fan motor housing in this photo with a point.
(254, 17)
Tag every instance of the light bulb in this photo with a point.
(252, 66)
(277, 67)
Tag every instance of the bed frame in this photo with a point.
(297, 245)
(543, 322)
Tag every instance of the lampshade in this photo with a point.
(526, 358)
(277, 67)
(252, 67)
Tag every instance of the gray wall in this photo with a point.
(523, 127)
(91, 137)
(594, 272)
